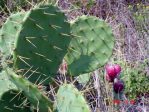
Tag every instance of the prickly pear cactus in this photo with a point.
(13, 101)
(69, 99)
(42, 43)
(5, 83)
(8, 32)
(91, 46)
(34, 95)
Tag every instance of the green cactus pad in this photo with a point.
(13, 101)
(34, 95)
(9, 31)
(5, 83)
(42, 43)
(69, 99)
(84, 78)
(91, 46)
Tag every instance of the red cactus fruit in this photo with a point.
(112, 71)
(117, 68)
(118, 85)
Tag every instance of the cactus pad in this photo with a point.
(84, 78)
(34, 95)
(5, 83)
(8, 32)
(42, 43)
(91, 46)
(69, 99)
(13, 101)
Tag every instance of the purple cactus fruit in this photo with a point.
(118, 85)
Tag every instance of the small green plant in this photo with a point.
(136, 82)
